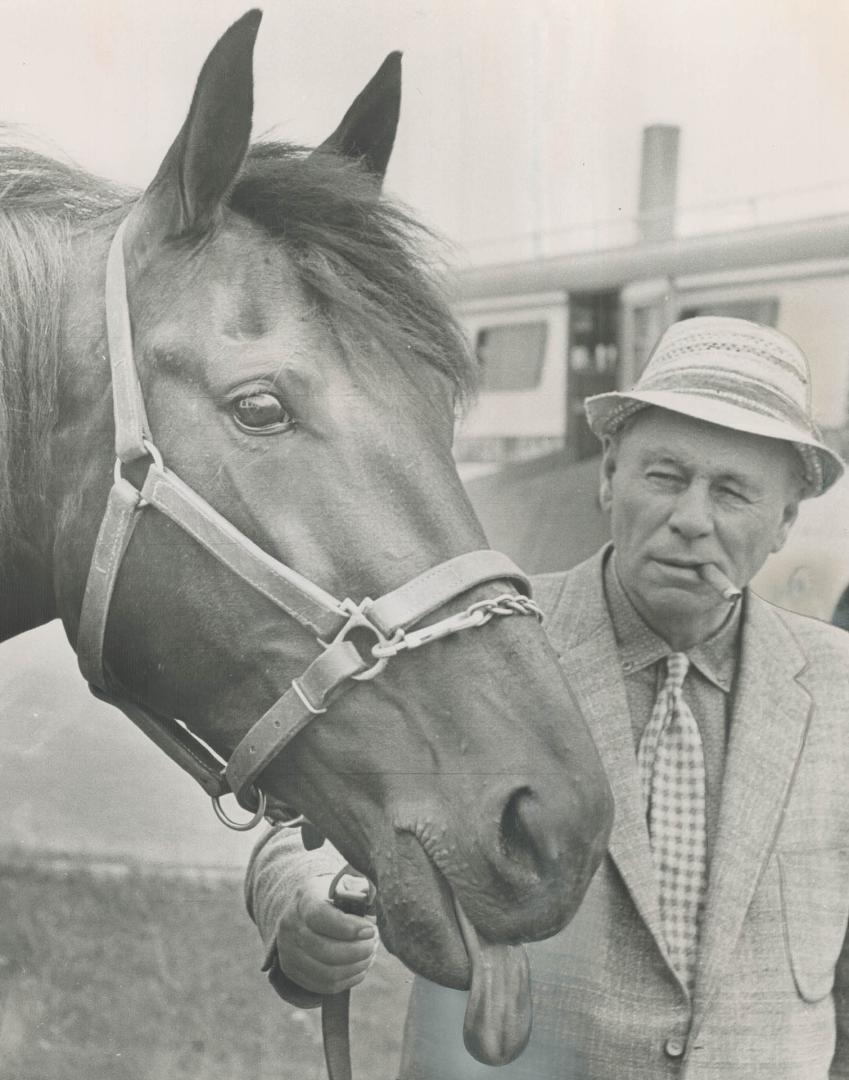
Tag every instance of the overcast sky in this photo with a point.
(518, 115)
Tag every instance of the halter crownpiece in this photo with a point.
(391, 618)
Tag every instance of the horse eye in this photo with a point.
(256, 412)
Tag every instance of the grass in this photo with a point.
(132, 976)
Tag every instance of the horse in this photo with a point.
(278, 372)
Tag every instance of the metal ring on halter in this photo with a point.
(155, 457)
(153, 452)
(358, 620)
(240, 826)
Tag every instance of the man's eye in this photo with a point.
(260, 412)
(662, 477)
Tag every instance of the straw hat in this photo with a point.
(734, 373)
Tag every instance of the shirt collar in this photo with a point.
(640, 647)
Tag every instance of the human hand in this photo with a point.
(321, 948)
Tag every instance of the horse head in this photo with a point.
(300, 373)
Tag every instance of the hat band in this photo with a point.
(745, 347)
(761, 398)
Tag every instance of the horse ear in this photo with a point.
(367, 131)
(204, 160)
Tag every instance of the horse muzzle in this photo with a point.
(518, 870)
(436, 912)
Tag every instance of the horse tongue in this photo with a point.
(497, 1024)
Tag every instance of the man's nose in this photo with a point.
(692, 515)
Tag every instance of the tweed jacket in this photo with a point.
(771, 998)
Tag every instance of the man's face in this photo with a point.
(682, 493)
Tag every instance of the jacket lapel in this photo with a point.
(770, 717)
(581, 633)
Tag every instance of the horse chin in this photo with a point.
(418, 923)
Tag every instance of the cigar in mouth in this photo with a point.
(714, 577)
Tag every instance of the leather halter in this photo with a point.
(338, 666)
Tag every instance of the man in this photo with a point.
(712, 941)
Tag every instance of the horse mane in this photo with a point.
(363, 259)
(42, 201)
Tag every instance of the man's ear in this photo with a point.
(791, 512)
(608, 468)
(796, 487)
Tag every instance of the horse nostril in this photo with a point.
(527, 837)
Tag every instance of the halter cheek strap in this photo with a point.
(132, 431)
(339, 665)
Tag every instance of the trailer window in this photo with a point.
(511, 355)
(763, 310)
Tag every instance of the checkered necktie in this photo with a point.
(672, 771)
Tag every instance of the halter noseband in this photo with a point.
(390, 618)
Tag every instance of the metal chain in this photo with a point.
(475, 615)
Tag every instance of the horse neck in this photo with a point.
(26, 592)
(29, 385)
(26, 527)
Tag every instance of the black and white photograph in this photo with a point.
(424, 540)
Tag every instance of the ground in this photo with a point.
(111, 972)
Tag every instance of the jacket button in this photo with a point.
(674, 1046)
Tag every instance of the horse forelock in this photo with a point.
(370, 266)
(373, 269)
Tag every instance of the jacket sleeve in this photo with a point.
(279, 865)
(840, 1063)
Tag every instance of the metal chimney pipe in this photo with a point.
(658, 182)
